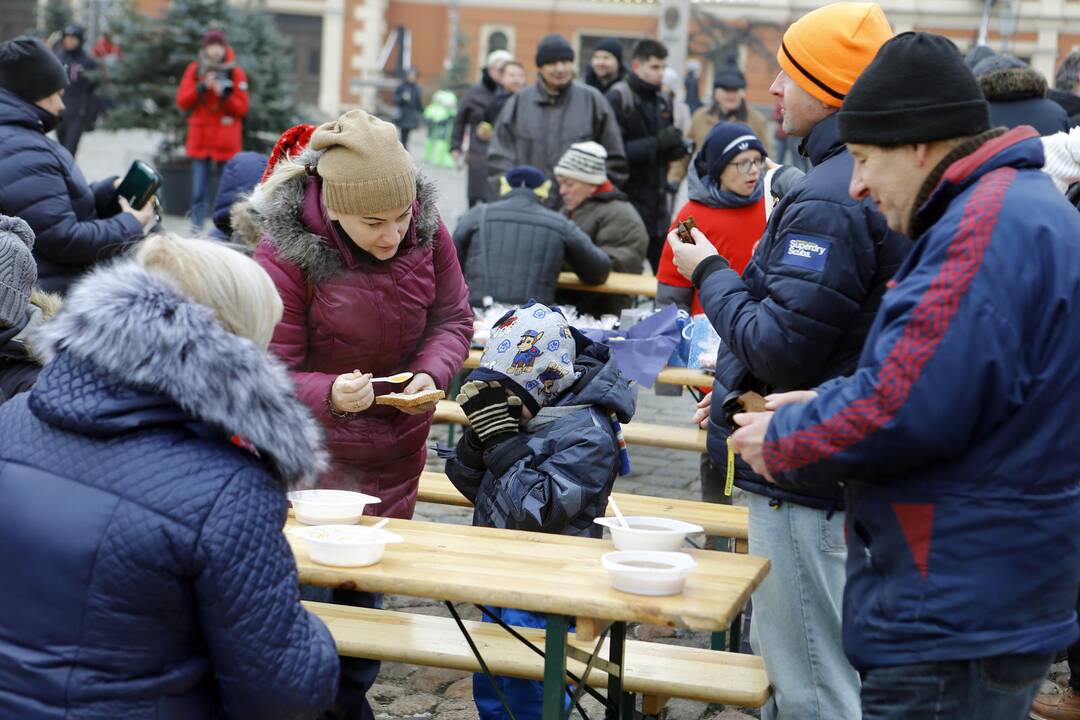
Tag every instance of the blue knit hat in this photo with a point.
(722, 144)
(525, 176)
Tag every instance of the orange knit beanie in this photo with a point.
(825, 50)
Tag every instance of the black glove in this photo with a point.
(668, 138)
(494, 414)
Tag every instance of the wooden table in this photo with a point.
(553, 574)
(616, 284)
(667, 376)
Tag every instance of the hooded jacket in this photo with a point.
(153, 576)
(76, 224)
(555, 476)
(615, 227)
(215, 124)
(513, 250)
(472, 110)
(343, 313)
(536, 128)
(1069, 102)
(18, 365)
(799, 314)
(956, 434)
(1017, 96)
(238, 178)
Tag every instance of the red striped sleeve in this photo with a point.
(926, 328)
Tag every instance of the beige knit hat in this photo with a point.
(584, 161)
(365, 169)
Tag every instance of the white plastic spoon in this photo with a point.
(618, 513)
(395, 379)
(371, 530)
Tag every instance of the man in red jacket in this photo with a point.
(214, 93)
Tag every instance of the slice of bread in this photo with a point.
(409, 400)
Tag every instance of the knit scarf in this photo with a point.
(715, 196)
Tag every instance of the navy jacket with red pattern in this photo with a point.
(957, 435)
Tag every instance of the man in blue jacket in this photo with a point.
(955, 438)
(797, 317)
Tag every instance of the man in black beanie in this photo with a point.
(76, 224)
(80, 99)
(606, 65)
(956, 435)
(541, 122)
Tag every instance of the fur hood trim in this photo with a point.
(280, 219)
(1013, 84)
(137, 326)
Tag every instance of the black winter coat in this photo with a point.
(642, 111)
(472, 110)
(513, 250)
(76, 224)
(799, 314)
(1017, 97)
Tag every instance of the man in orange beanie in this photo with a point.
(797, 318)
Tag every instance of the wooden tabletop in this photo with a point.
(537, 572)
(687, 437)
(616, 283)
(721, 520)
(667, 376)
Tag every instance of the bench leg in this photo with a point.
(620, 704)
(555, 668)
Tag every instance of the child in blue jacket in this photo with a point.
(543, 450)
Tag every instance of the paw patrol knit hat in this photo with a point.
(531, 352)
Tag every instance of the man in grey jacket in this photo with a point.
(512, 251)
(539, 124)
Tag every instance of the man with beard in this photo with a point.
(605, 66)
(471, 113)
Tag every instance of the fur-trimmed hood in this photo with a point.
(1014, 83)
(281, 218)
(138, 328)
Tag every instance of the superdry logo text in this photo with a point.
(807, 252)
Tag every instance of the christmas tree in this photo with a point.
(56, 17)
(158, 51)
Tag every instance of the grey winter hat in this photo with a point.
(584, 161)
(18, 270)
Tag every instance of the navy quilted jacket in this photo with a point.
(804, 304)
(146, 572)
(76, 224)
(957, 434)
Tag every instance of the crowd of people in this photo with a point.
(904, 303)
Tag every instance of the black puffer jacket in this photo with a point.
(76, 224)
(512, 250)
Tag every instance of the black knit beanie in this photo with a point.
(613, 46)
(552, 49)
(29, 69)
(917, 89)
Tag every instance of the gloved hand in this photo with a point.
(494, 414)
(668, 138)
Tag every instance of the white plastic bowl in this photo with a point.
(648, 572)
(648, 533)
(330, 507)
(346, 545)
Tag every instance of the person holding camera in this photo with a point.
(214, 93)
(76, 224)
(650, 138)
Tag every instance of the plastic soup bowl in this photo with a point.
(346, 545)
(648, 572)
(648, 533)
(330, 507)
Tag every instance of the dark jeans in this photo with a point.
(357, 674)
(69, 133)
(405, 136)
(998, 688)
(654, 251)
(200, 190)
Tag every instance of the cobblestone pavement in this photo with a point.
(405, 691)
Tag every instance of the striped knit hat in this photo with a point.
(18, 270)
(826, 49)
(584, 161)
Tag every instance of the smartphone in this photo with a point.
(140, 184)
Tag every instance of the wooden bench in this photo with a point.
(636, 433)
(654, 670)
(667, 376)
(616, 284)
(722, 520)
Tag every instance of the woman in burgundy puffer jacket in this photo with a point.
(371, 283)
